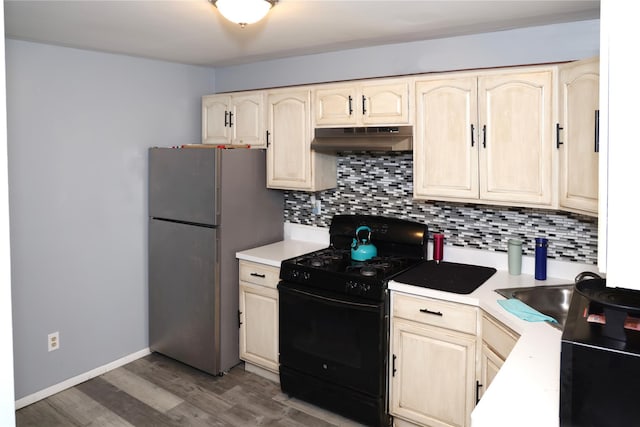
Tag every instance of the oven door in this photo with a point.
(336, 339)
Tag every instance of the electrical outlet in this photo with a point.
(53, 341)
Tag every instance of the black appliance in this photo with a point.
(334, 320)
(600, 357)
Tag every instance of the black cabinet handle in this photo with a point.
(364, 105)
(472, 136)
(268, 133)
(230, 119)
(427, 311)
(484, 136)
(258, 275)
(226, 121)
(393, 366)
(558, 142)
(597, 132)
(239, 321)
(350, 105)
(478, 385)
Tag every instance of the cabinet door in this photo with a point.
(515, 113)
(247, 120)
(445, 149)
(215, 119)
(433, 375)
(490, 364)
(259, 325)
(336, 106)
(289, 151)
(579, 88)
(384, 103)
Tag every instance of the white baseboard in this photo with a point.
(50, 391)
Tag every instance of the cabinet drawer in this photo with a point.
(259, 274)
(458, 317)
(498, 337)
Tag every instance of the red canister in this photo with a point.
(438, 247)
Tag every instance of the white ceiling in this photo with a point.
(193, 32)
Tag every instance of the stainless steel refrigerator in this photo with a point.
(205, 204)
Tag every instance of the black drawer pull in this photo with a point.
(435, 313)
(262, 276)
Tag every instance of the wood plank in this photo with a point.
(123, 404)
(187, 414)
(180, 384)
(42, 413)
(85, 411)
(156, 397)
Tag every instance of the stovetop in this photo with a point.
(333, 270)
(400, 245)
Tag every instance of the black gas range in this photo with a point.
(334, 316)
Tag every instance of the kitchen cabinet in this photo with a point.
(485, 137)
(291, 164)
(497, 342)
(433, 361)
(383, 102)
(258, 316)
(578, 136)
(236, 119)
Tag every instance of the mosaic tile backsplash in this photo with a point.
(382, 184)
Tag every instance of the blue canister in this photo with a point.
(541, 258)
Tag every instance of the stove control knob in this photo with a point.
(306, 275)
(295, 274)
(350, 285)
(364, 287)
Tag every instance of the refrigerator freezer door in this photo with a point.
(182, 185)
(184, 293)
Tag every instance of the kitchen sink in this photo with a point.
(552, 300)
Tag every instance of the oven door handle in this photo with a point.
(330, 300)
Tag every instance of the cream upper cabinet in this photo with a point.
(445, 146)
(433, 361)
(291, 164)
(578, 133)
(362, 103)
(236, 119)
(259, 315)
(485, 138)
(516, 118)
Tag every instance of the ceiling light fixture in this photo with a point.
(244, 12)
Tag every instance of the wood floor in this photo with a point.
(158, 391)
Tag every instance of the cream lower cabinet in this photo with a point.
(485, 137)
(291, 164)
(578, 133)
(236, 119)
(497, 342)
(259, 315)
(433, 362)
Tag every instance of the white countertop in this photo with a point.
(275, 253)
(525, 392)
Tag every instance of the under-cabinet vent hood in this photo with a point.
(387, 138)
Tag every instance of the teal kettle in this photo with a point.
(361, 248)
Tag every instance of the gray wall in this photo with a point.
(79, 124)
(549, 43)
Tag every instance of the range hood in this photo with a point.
(387, 138)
